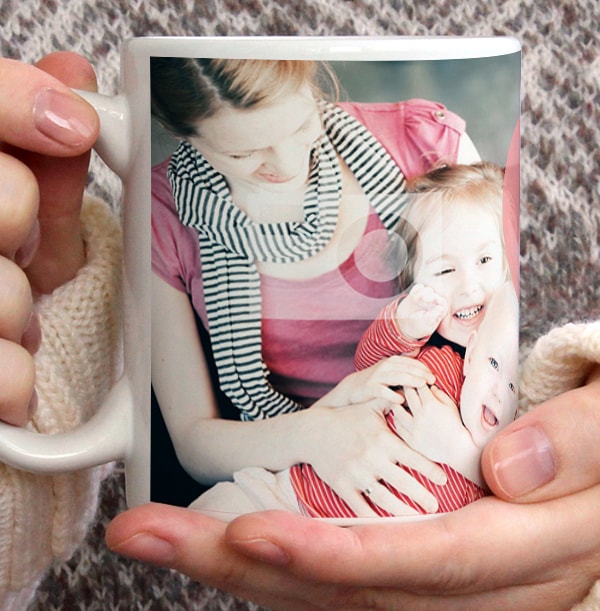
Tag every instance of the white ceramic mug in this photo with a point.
(121, 428)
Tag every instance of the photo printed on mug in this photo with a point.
(334, 280)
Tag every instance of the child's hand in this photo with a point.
(380, 381)
(420, 312)
(45, 136)
(434, 427)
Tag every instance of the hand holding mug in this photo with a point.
(545, 542)
(47, 132)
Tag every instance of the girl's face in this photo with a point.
(461, 258)
(266, 147)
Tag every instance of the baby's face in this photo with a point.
(462, 259)
(488, 400)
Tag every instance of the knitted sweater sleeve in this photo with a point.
(560, 361)
(44, 518)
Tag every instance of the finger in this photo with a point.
(17, 377)
(406, 456)
(401, 480)
(413, 399)
(193, 544)
(394, 397)
(402, 420)
(74, 71)
(19, 200)
(355, 497)
(549, 452)
(447, 554)
(45, 115)
(440, 395)
(31, 339)
(426, 394)
(16, 302)
(381, 496)
(61, 253)
(411, 366)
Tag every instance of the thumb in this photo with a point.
(442, 397)
(550, 452)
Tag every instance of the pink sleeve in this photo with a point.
(175, 253)
(416, 133)
(383, 339)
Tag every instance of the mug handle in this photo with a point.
(107, 436)
(104, 438)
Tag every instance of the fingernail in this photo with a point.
(146, 548)
(62, 117)
(263, 550)
(523, 461)
(24, 256)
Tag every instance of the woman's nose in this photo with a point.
(287, 159)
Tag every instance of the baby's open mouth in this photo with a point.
(488, 416)
(468, 313)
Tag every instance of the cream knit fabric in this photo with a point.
(44, 518)
(560, 361)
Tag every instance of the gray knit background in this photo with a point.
(560, 217)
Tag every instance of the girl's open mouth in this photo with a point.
(468, 313)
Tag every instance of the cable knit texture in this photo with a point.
(560, 211)
(42, 517)
(559, 361)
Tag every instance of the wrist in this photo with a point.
(309, 426)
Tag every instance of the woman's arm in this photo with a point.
(350, 448)
(210, 448)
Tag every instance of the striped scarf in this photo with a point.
(230, 243)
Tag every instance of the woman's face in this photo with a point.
(266, 147)
(462, 259)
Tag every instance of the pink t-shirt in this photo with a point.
(310, 328)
